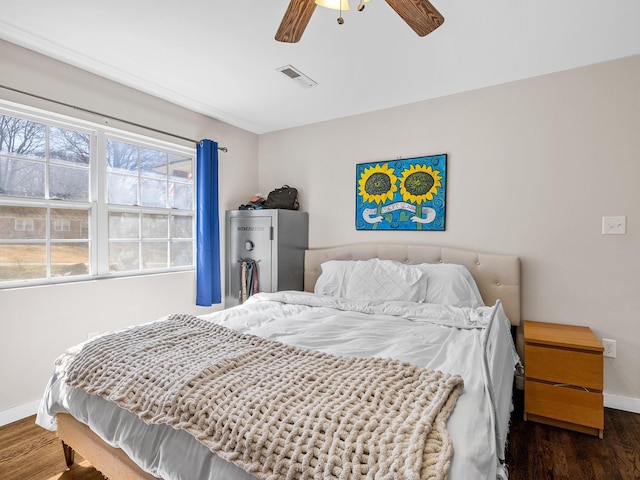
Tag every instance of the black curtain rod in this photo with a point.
(224, 149)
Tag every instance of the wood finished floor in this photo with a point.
(29, 452)
(535, 452)
(541, 452)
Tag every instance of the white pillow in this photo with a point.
(451, 284)
(334, 277)
(387, 280)
(444, 283)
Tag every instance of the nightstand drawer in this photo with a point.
(563, 403)
(566, 366)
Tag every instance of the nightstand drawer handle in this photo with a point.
(569, 385)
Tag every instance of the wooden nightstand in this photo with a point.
(563, 377)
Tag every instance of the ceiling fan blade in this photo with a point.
(295, 20)
(420, 15)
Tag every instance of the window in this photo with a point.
(150, 207)
(77, 200)
(62, 225)
(24, 225)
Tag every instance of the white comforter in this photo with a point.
(445, 338)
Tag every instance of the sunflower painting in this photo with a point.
(407, 194)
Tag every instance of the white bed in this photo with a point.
(472, 341)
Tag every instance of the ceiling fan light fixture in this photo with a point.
(334, 4)
(339, 4)
(420, 15)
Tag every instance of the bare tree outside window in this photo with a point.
(69, 162)
(24, 160)
(21, 142)
(22, 137)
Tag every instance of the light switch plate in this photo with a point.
(614, 225)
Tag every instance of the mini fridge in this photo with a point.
(268, 244)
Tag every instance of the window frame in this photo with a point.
(23, 225)
(97, 205)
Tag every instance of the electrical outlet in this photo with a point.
(614, 225)
(609, 347)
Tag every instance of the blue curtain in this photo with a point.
(208, 289)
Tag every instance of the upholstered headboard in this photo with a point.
(497, 276)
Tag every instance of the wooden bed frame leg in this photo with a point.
(69, 454)
(109, 461)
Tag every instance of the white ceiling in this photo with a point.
(220, 58)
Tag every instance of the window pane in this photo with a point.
(20, 178)
(123, 225)
(123, 256)
(22, 262)
(68, 183)
(154, 255)
(123, 189)
(181, 186)
(155, 226)
(22, 137)
(122, 156)
(23, 223)
(181, 254)
(153, 163)
(69, 259)
(181, 196)
(153, 193)
(181, 226)
(68, 146)
(180, 168)
(69, 224)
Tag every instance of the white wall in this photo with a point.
(532, 168)
(38, 323)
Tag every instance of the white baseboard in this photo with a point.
(18, 413)
(628, 404)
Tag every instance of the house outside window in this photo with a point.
(79, 201)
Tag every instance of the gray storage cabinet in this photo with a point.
(275, 240)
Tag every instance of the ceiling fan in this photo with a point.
(420, 15)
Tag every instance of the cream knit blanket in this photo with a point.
(277, 411)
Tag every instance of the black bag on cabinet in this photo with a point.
(285, 197)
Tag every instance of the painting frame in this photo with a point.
(402, 194)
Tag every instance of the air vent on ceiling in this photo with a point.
(297, 76)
